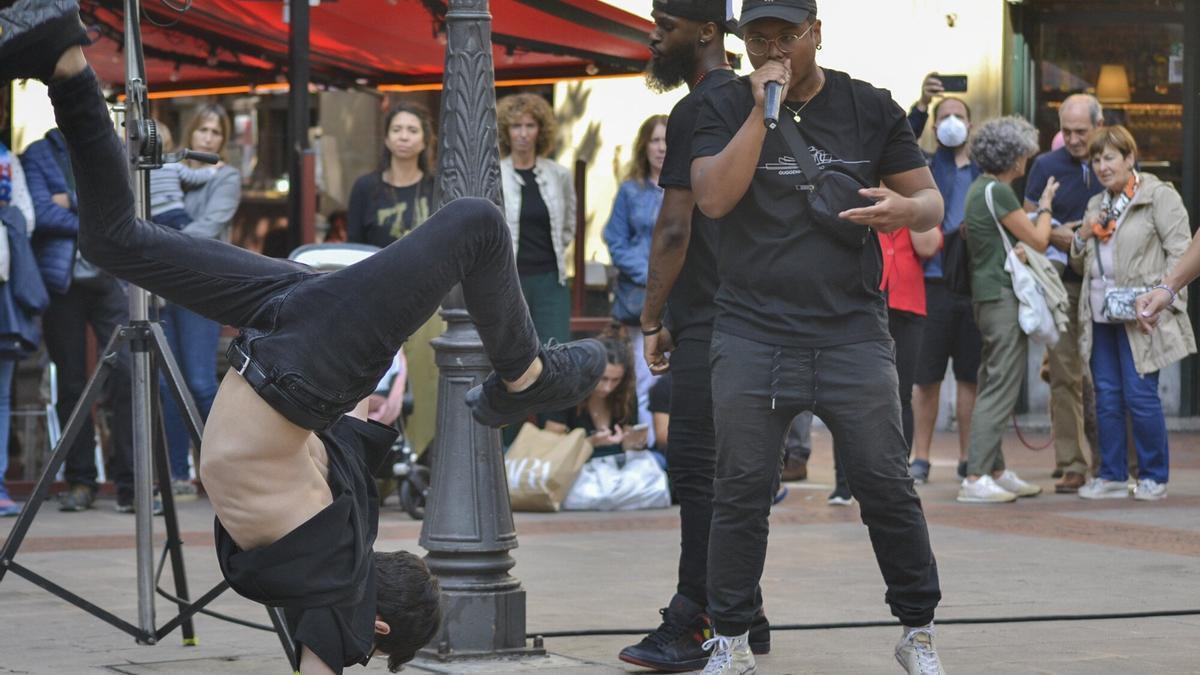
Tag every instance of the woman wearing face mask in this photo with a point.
(539, 204)
(1133, 230)
(627, 235)
(950, 334)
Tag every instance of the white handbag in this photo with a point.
(1034, 312)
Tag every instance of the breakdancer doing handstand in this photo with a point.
(283, 453)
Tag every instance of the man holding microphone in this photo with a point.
(801, 324)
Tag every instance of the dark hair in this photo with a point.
(425, 161)
(951, 98)
(639, 164)
(622, 402)
(1116, 136)
(408, 599)
(513, 106)
(204, 112)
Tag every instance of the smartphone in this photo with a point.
(953, 83)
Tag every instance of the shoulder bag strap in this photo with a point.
(987, 195)
(1099, 259)
(799, 147)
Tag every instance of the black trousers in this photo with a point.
(320, 341)
(103, 305)
(757, 390)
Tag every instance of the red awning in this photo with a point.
(364, 42)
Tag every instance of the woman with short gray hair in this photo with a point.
(1002, 148)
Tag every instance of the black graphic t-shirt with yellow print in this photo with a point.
(380, 213)
(783, 280)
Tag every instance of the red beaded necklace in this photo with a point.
(723, 66)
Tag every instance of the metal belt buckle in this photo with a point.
(245, 362)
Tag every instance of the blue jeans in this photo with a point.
(193, 340)
(1120, 390)
(312, 345)
(7, 367)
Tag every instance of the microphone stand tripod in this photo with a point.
(150, 351)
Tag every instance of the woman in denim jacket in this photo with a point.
(628, 233)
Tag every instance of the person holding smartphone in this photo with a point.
(609, 413)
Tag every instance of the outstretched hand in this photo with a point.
(1149, 305)
(891, 210)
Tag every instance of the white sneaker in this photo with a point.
(1012, 482)
(730, 655)
(916, 653)
(984, 491)
(1149, 490)
(1100, 488)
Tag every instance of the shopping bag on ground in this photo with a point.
(625, 482)
(542, 465)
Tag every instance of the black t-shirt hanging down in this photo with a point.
(323, 572)
(690, 308)
(783, 281)
(535, 249)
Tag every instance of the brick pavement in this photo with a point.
(1054, 554)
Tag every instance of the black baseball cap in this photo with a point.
(719, 12)
(792, 11)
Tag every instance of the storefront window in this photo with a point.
(1131, 56)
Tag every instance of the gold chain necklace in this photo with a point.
(796, 113)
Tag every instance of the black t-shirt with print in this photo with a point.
(380, 213)
(690, 308)
(784, 281)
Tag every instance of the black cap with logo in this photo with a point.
(719, 12)
(792, 11)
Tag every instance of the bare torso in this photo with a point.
(264, 475)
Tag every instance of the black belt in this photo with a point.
(241, 362)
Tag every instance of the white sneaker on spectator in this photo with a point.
(730, 655)
(1101, 488)
(916, 653)
(183, 490)
(1012, 482)
(984, 491)
(1149, 490)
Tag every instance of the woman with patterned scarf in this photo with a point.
(1133, 232)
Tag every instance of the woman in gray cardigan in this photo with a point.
(193, 338)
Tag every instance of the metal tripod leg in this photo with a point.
(285, 637)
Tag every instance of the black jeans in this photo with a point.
(103, 305)
(319, 341)
(757, 390)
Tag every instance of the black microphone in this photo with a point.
(773, 96)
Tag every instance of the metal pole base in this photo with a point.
(483, 615)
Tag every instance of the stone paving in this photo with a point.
(1051, 555)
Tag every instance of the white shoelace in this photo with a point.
(721, 656)
(927, 659)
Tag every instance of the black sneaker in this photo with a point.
(34, 34)
(76, 498)
(840, 497)
(675, 646)
(569, 374)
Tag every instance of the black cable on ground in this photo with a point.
(597, 632)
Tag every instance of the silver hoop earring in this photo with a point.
(704, 43)
(818, 47)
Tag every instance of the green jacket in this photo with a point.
(1149, 241)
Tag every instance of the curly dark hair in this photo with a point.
(409, 600)
(513, 106)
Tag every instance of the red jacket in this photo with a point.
(903, 275)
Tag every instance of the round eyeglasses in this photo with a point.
(761, 46)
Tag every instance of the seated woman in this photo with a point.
(607, 412)
(1133, 230)
(282, 460)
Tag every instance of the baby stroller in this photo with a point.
(411, 478)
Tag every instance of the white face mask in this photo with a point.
(952, 131)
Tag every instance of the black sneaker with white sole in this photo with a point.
(569, 374)
(34, 34)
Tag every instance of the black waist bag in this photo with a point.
(830, 191)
